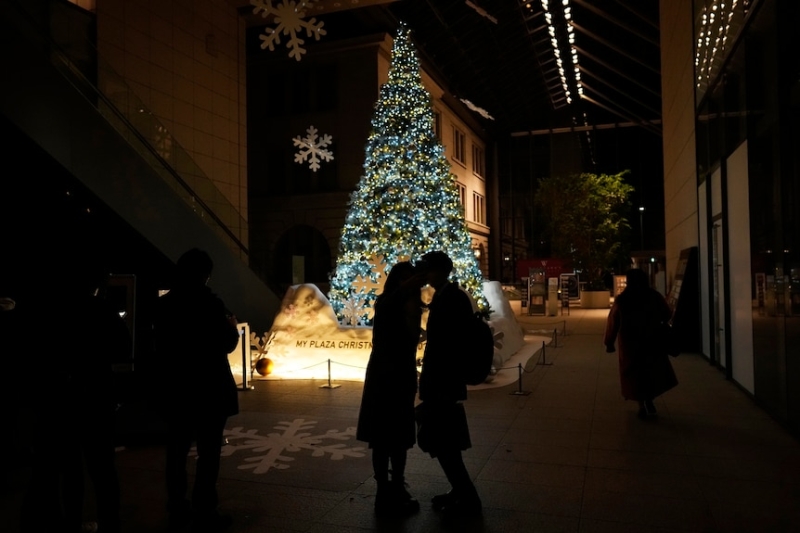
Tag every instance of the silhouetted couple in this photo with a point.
(388, 419)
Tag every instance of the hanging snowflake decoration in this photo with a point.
(312, 148)
(289, 19)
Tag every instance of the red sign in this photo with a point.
(552, 267)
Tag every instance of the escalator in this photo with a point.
(84, 177)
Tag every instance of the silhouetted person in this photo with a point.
(78, 409)
(635, 319)
(194, 333)
(386, 417)
(443, 429)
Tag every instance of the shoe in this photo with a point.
(393, 499)
(440, 501)
(454, 505)
(651, 408)
(180, 515)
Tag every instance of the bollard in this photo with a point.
(519, 391)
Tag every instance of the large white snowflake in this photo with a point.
(364, 285)
(269, 449)
(289, 19)
(312, 148)
(355, 310)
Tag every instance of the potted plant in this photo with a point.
(586, 222)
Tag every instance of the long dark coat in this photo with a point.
(193, 337)
(386, 416)
(645, 370)
(442, 379)
(441, 417)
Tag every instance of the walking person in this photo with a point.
(386, 416)
(635, 320)
(442, 422)
(193, 335)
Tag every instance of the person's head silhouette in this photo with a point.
(439, 266)
(194, 267)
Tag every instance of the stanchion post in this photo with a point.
(519, 391)
(544, 356)
(245, 351)
(329, 385)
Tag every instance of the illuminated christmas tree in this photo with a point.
(407, 202)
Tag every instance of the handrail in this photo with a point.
(70, 68)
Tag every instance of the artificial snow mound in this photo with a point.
(306, 341)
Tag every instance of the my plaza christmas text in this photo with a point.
(345, 345)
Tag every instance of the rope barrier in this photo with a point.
(520, 369)
(562, 322)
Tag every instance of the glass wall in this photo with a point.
(747, 88)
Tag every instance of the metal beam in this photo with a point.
(617, 89)
(639, 15)
(615, 70)
(613, 47)
(618, 22)
(645, 124)
(580, 129)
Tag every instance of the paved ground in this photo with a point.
(567, 455)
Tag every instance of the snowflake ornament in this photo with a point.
(289, 19)
(355, 310)
(293, 438)
(312, 148)
(377, 265)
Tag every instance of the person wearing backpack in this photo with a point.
(442, 422)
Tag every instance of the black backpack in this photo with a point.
(479, 354)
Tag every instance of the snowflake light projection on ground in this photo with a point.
(289, 19)
(312, 148)
(269, 450)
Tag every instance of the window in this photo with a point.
(459, 146)
(478, 208)
(462, 195)
(478, 161)
(437, 124)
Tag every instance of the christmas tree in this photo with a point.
(407, 202)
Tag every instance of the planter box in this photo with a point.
(595, 299)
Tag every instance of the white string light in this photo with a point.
(555, 42)
(719, 21)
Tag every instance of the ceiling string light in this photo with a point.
(558, 17)
(718, 26)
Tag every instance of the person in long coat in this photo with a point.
(635, 320)
(386, 417)
(443, 431)
(194, 333)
